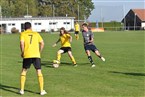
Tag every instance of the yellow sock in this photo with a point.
(77, 37)
(73, 60)
(22, 80)
(41, 82)
(58, 56)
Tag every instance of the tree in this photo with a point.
(70, 7)
(19, 8)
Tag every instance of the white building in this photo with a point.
(143, 25)
(38, 24)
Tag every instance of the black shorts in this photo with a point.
(65, 49)
(91, 47)
(35, 61)
(76, 32)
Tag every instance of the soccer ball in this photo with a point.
(55, 65)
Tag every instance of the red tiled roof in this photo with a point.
(140, 13)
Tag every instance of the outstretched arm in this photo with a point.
(56, 43)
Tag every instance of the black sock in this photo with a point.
(100, 56)
(91, 60)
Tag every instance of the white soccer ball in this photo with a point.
(55, 65)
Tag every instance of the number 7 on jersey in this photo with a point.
(31, 36)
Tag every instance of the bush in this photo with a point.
(14, 30)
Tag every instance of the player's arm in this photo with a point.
(22, 48)
(56, 43)
(41, 42)
(70, 37)
(91, 38)
(41, 45)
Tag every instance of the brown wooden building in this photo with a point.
(134, 19)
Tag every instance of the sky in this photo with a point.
(113, 10)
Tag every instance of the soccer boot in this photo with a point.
(56, 62)
(43, 92)
(93, 65)
(21, 92)
(103, 59)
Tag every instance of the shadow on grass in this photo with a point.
(129, 73)
(49, 64)
(14, 89)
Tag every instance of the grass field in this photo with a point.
(122, 75)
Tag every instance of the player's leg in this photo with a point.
(99, 55)
(41, 82)
(57, 61)
(72, 58)
(26, 65)
(76, 35)
(96, 51)
(59, 52)
(37, 65)
(90, 58)
(87, 49)
(22, 80)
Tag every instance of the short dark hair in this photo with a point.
(85, 24)
(27, 25)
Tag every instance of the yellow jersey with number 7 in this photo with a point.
(31, 43)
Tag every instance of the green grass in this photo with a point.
(122, 75)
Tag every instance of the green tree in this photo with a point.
(73, 8)
(69, 7)
(32, 6)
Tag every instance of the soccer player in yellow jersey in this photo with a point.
(65, 39)
(77, 30)
(31, 45)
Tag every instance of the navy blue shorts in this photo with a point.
(91, 47)
(35, 61)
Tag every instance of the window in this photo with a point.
(66, 23)
(50, 23)
(37, 23)
(13, 24)
(54, 23)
